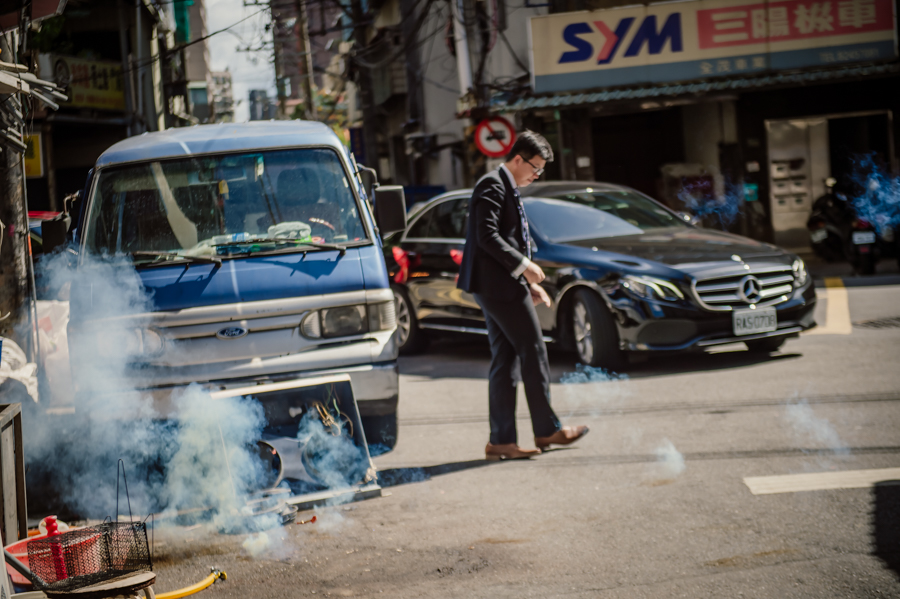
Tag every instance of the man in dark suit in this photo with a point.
(497, 269)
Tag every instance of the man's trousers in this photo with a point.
(517, 352)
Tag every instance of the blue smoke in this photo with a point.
(698, 199)
(589, 374)
(877, 197)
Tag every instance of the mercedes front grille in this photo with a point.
(761, 287)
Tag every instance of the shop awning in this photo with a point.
(572, 100)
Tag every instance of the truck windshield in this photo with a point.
(215, 205)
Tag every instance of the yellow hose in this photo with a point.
(206, 582)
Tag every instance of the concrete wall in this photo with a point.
(440, 81)
(197, 56)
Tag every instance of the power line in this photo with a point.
(157, 57)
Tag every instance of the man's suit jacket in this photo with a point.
(495, 242)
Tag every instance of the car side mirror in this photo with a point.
(390, 209)
(54, 232)
(369, 179)
(689, 218)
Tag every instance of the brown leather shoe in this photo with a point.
(508, 451)
(564, 436)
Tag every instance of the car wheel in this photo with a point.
(410, 338)
(594, 332)
(381, 433)
(767, 345)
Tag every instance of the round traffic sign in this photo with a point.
(495, 137)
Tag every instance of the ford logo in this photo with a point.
(231, 333)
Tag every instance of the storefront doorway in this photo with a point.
(804, 152)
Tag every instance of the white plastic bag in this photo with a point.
(53, 320)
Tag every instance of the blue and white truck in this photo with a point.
(260, 254)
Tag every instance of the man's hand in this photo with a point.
(538, 295)
(533, 273)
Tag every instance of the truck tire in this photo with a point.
(381, 433)
(594, 332)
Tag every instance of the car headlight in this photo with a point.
(800, 274)
(346, 321)
(652, 288)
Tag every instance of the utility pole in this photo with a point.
(415, 122)
(304, 58)
(364, 85)
(14, 255)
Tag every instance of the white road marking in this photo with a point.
(837, 315)
(819, 481)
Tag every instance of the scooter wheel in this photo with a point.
(866, 264)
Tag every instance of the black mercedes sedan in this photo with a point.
(627, 276)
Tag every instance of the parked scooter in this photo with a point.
(837, 233)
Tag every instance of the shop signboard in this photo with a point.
(34, 156)
(699, 39)
(88, 83)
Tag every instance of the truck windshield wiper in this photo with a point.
(315, 244)
(204, 259)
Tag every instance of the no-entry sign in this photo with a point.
(495, 136)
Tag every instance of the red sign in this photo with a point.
(495, 137)
(791, 20)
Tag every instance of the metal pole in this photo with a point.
(126, 74)
(364, 84)
(460, 38)
(139, 60)
(306, 63)
(32, 286)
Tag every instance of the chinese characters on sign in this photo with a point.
(737, 65)
(792, 20)
(91, 83)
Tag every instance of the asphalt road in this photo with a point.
(652, 503)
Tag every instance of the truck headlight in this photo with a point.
(800, 274)
(346, 321)
(652, 288)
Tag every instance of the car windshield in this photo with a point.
(220, 205)
(593, 214)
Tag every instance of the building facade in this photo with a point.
(737, 110)
(107, 56)
(734, 110)
(222, 96)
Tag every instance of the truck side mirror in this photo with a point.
(54, 232)
(390, 209)
(369, 179)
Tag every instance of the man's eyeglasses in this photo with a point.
(537, 171)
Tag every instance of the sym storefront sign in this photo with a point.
(683, 41)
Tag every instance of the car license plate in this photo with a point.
(748, 322)
(863, 237)
(818, 235)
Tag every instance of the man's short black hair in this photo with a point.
(530, 144)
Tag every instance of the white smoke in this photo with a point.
(589, 391)
(808, 427)
(203, 457)
(670, 462)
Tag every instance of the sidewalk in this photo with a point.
(887, 272)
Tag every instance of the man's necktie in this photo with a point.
(525, 235)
